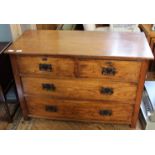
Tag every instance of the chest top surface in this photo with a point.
(82, 43)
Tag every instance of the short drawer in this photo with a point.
(80, 88)
(78, 110)
(46, 65)
(117, 70)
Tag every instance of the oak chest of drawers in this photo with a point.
(83, 76)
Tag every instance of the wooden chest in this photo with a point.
(83, 76)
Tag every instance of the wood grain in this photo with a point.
(142, 79)
(61, 67)
(67, 109)
(125, 70)
(77, 85)
(82, 43)
(81, 89)
(19, 86)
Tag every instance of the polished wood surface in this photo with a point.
(140, 87)
(48, 124)
(81, 89)
(60, 67)
(84, 74)
(84, 68)
(94, 69)
(67, 109)
(19, 86)
(82, 43)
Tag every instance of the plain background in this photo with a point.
(77, 12)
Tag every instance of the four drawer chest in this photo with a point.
(82, 76)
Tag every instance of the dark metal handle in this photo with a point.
(51, 108)
(45, 67)
(108, 71)
(106, 91)
(105, 112)
(48, 87)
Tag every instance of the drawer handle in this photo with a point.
(48, 87)
(45, 67)
(106, 91)
(105, 112)
(108, 71)
(51, 108)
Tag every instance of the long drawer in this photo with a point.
(78, 110)
(110, 69)
(80, 88)
(54, 67)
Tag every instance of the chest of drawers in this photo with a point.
(82, 76)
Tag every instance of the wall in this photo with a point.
(5, 32)
(25, 27)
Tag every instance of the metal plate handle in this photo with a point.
(51, 108)
(106, 91)
(108, 71)
(48, 87)
(45, 67)
(105, 112)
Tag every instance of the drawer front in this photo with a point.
(68, 109)
(80, 89)
(118, 70)
(54, 67)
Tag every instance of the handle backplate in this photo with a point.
(105, 112)
(48, 87)
(45, 67)
(51, 108)
(106, 91)
(108, 71)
